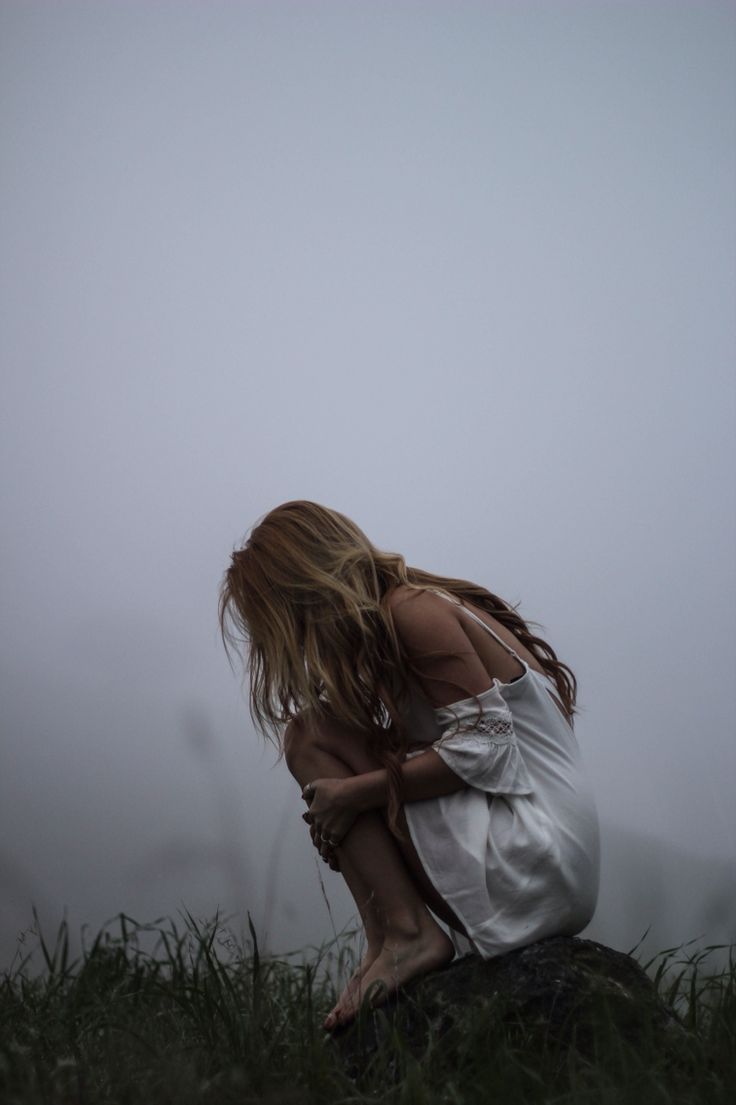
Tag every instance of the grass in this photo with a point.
(184, 1013)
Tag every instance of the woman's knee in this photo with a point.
(305, 737)
(297, 739)
(309, 736)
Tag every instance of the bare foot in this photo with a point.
(353, 982)
(400, 960)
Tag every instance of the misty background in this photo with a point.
(463, 271)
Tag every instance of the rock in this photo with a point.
(561, 991)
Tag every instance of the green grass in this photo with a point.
(185, 1013)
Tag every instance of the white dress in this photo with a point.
(516, 853)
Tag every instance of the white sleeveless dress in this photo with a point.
(516, 853)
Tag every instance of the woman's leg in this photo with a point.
(372, 930)
(349, 747)
(370, 860)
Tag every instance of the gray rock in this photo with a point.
(562, 991)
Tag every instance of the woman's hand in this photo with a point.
(327, 852)
(331, 813)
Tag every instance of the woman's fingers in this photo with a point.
(317, 829)
(325, 849)
(323, 842)
(330, 858)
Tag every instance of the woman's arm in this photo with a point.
(334, 804)
(424, 776)
(429, 629)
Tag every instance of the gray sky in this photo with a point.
(464, 271)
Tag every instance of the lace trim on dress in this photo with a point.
(483, 750)
(494, 726)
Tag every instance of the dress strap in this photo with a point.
(480, 622)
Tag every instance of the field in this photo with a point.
(183, 1013)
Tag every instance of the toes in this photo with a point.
(341, 1015)
(331, 1019)
(355, 994)
(336, 1017)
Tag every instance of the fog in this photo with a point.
(463, 271)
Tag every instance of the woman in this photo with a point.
(458, 813)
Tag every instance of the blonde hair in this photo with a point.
(307, 598)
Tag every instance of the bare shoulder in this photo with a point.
(421, 615)
(403, 597)
(400, 594)
(434, 639)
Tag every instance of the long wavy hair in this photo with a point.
(305, 604)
